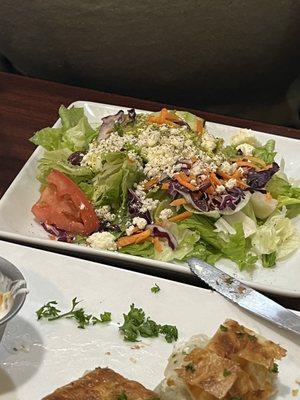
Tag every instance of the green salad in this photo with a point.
(161, 186)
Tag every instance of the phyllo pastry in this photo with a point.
(235, 364)
(102, 384)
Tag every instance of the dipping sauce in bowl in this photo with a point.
(13, 291)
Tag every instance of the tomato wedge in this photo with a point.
(63, 204)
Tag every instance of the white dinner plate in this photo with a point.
(36, 357)
(17, 222)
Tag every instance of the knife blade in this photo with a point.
(244, 296)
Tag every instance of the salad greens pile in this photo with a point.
(163, 187)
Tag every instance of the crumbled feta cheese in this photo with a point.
(220, 188)
(139, 222)
(240, 170)
(244, 136)
(231, 183)
(102, 240)
(104, 213)
(130, 230)
(228, 168)
(198, 167)
(246, 149)
(208, 142)
(149, 204)
(165, 214)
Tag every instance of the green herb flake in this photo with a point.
(170, 332)
(236, 398)
(226, 373)
(105, 317)
(190, 367)
(252, 338)
(122, 396)
(275, 369)
(223, 328)
(48, 310)
(136, 324)
(155, 288)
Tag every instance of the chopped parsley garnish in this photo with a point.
(223, 328)
(136, 324)
(252, 338)
(190, 367)
(122, 396)
(105, 317)
(275, 369)
(236, 398)
(240, 334)
(226, 373)
(50, 312)
(155, 288)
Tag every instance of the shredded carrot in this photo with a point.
(178, 202)
(180, 217)
(210, 190)
(240, 184)
(214, 179)
(194, 159)
(199, 126)
(137, 238)
(183, 179)
(236, 175)
(157, 245)
(165, 185)
(224, 175)
(184, 176)
(151, 183)
(164, 117)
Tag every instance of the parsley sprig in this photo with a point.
(136, 324)
(155, 288)
(50, 312)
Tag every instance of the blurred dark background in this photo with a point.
(235, 57)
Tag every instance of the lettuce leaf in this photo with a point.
(269, 260)
(75, 133)
(278, 235)
(186, 240)
(236, 248)
(70, 116)
(266, 152)
(205, 252)
(286, 194)
(144, 249)
(191, 119)
(111, 184)
(79, 136)
(57, 159)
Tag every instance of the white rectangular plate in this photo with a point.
(17, 222)
(36, 357)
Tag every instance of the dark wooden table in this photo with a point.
(27, 105)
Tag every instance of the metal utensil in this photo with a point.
(244, 296)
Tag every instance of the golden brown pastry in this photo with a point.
(102, 384)
(236, 363)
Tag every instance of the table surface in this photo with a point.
(27, 105)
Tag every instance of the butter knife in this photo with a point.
(244, 296)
